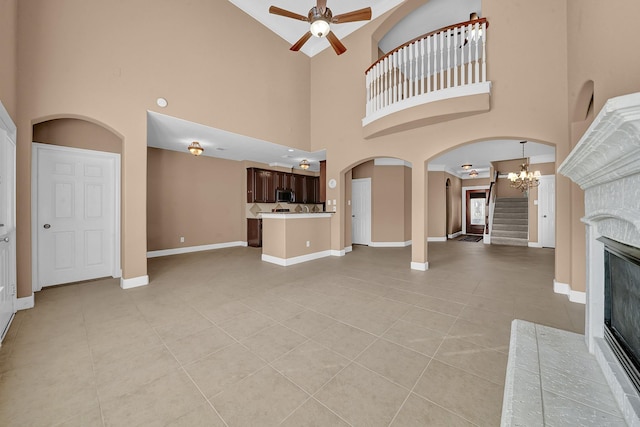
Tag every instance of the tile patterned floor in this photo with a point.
(220, 338)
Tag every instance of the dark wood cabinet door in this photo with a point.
(254, 232)
(297, 185)
(251, 185)
(269, 186)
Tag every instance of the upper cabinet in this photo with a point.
(262, 185)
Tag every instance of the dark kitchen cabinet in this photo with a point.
(254, 232)
(261, 186)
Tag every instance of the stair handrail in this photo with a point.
(491, 203)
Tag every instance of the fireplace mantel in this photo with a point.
(606, 165)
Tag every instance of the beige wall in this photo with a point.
(390, 197)
(109, 61)
(8, 56)
(287, 238)
(198, 198)
(455, 204)
(437, 204)
(77, 134)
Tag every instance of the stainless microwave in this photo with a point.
(285, 195)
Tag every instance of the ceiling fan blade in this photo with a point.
(296, 47)
(287, 14)
(321, 5)
(356, 15)
(336, 44)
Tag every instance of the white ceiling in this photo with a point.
(171, 133)
(176, 134)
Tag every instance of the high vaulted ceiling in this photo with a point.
(176, 134)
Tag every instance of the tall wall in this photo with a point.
(198, 198)
(9, 56)
(108, 62)
(77, 134)
(455, 204)
(437, 204)
(528, 104)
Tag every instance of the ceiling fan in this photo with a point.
(320, 19)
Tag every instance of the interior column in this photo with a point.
(419, 201)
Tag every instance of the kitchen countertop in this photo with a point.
(295, 214)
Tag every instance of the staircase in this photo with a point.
(511, 222)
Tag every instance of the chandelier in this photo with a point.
(525, 179)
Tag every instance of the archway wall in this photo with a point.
(529, 104)
(110, 61)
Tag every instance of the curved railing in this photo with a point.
(448, 58)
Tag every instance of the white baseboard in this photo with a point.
(486, 239)
(535, 244)
(420, 266)
(295, 260)
(436, 239)
(188, 249)
(390, 244)
(339, 253)
(454, 235)
(565, 289)
(347, 249)
(25, 303)
(134, 282)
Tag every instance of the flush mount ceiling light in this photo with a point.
(195, 148)
(466, 166)
(304, 164)
(162, 102)
(525, 179)
(473, 173)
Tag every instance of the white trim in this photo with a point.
(439, 95)
(348, 249)
(7, 123)
(189, 249)
(295, 260)
(565, 289)
(420, 266)
(116, 157)
(437, 239)
(535, 244)
(134, 282)
(390, 244)
(340, 253)
(25, 303)
(389, 161)
(294, 215)
(454, 235)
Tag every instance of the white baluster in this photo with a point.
(477, 64)
(469, 64)
(455, 57)
(404, 70)
(429, 72)
(384, 83)
(422, 64)
(484, 51)
(462, 63)
(441, 60)
(410, 48)
(396, 76)
(448, 38)
(368, 104)
(378, 97)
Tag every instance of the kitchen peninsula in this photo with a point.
(291, 238)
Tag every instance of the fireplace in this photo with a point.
(606, 165)
(622, 305)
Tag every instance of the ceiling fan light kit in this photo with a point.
(320, 19)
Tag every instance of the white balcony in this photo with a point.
(442, 65)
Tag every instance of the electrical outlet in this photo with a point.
(328, 202)
(335, 209)
(334, 202)
(181, 239)
(308, 243)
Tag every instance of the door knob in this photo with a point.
(47, 226)
(6, 239)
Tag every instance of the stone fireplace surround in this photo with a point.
(606, 165)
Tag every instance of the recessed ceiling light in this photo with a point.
(162, 102)
(291, 150)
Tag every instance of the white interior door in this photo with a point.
(361, 211)
(547, 211)
(76, 211)
(7, 232)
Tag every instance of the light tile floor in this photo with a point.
(220, 338)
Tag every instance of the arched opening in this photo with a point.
(76, 212)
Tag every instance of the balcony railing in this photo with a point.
(444, 63)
